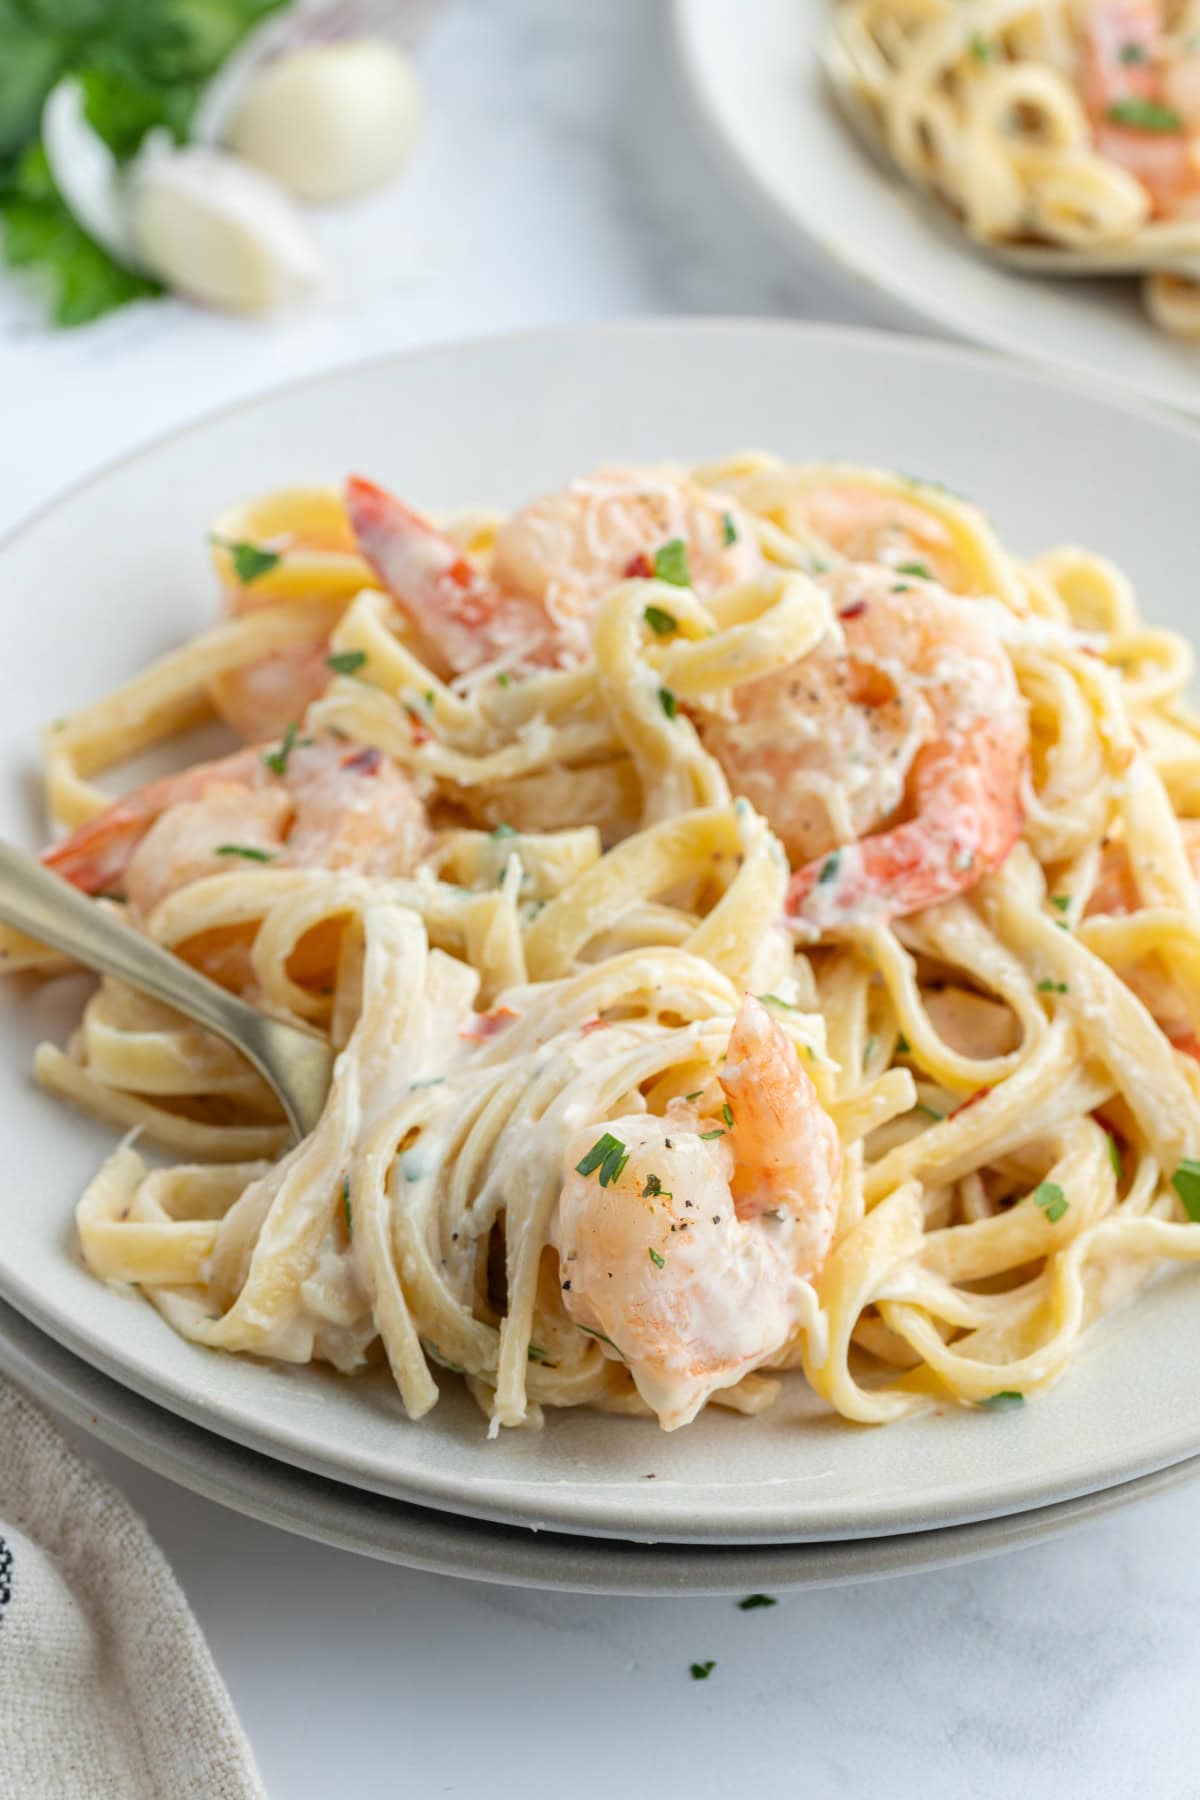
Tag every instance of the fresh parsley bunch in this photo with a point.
(142, 63)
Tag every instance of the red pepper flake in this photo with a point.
(979, 1094)
(489, 1024)
(590, 1025)
(1189, 1044)
(364, 762)
(420, 732)
(854, 611)
(639, 567)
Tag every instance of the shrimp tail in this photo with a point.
(459, 611)
(968, 820)
(93, 857)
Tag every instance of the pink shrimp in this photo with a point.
(1116, 894)
(310, 804)
(916, 713)
(685, 1241)
(261, 699)
(554, 560)
(1132, 93)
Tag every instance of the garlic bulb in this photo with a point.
(219, 231)
(332, 120)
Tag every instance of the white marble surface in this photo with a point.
(561, 179)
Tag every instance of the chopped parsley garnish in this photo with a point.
(249, 562)
(346, 662)
(702, 1671)
(980, 47)
(1053, 1202)
(671, 564)
(609, 1155)
(346, 1205)
(1186, 1182)
(504, 831)
(931, 1112)
(658, 1261)
(694, 1096)
(603, 1336)
(719, 1132)
(537, 1354)
(668, 702)
(774, 1000)
(914, 568)
(729, 528)
(1061, 901)
(661, 622)
(1114, 1155)
(427, 1081)
(829, 868)
(277, 760)
(654, 1188)
(1145, 115)
(1132, 54)
(246, 850)
(502, 680)
(727, 1113)
(903, 1047)
(752, 1602)
(1001, 1402)
(868, 1051)
(1053, 987)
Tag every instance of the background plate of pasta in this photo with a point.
(750, 887)
(1022, 173)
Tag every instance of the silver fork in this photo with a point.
(297, 1064)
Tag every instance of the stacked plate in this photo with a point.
(796, 1496)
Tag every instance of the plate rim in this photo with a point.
(443, 1493)
(261, 1487)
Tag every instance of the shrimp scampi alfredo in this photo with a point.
(756, 914)
(1064, 132)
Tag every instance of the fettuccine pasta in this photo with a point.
(1064, 132)
(757, 918)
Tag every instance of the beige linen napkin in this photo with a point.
(107, 1688)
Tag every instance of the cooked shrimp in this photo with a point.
(1116, 893)
(553, 561)
(1125, 77)
(261, 699)
(332, 807)
(689, 1249)
(865, 524)
(915, 711)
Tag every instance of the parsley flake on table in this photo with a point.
(702, 1671)
(752, 1602)
(1006, 1399)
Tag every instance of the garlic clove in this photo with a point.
(86, 174)
(332, 120)
(220, 231)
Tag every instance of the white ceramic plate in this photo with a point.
(753, 74)
(116, 571)
(349, 1519)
